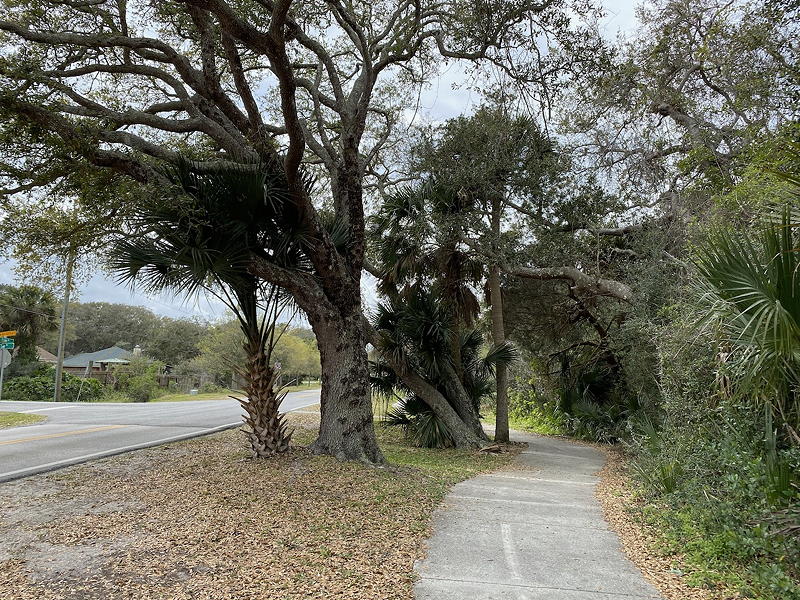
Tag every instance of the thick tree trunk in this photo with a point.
(463, 403)
(346, 426)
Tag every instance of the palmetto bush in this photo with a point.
(750, 287)
(421, 331)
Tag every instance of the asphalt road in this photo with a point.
(77, 432)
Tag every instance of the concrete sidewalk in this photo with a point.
(532, 532)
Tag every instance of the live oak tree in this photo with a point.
(685, 97)
(126, 85)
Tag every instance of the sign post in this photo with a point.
(5, 360)
(6, 345)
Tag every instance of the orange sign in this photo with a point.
(8, 333)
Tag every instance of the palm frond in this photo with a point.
(749, 286)
(505, 353)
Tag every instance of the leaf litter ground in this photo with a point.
(200, 520)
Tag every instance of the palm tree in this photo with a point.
(429, 277)
(200, 236)
(403, 331)
(31, 311)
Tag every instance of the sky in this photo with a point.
(438, 103)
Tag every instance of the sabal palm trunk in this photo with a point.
(265, 427)
(501, 433)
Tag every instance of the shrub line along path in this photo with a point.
(76, 432)
(533, 532)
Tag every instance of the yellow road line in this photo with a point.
(55, 435)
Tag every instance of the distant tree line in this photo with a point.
(188, 345)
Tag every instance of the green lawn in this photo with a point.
(226, 394)
(13, 419)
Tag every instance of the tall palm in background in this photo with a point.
(200, 236)
(428, 279)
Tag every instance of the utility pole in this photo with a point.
(62, 329)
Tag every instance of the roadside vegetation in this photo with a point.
(14, 419)
(178, 355)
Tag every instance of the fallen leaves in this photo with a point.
(197, 520)
(638, 540)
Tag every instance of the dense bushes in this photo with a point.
(138, 380)
(713, 430)
(40, 387)
(570, 408)
(717, 481)
(722, 472)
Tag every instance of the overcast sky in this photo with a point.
(438, 103)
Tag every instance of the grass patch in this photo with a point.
(199, 519)
(225, 394)
(14, 419)
(536, 422)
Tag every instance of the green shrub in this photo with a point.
(718, 484)
(139, 379)
(529, 411)
(141, 388)
(40, 387)
(211, 388)
(573, 413)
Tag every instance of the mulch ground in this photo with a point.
(200, 520)
(622, 510)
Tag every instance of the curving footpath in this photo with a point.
(532, 532)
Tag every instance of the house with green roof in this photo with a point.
(99, 361)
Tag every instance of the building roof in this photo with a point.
(45, 356)
(115, 354)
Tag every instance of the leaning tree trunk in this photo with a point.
(265, 427)
(462, 435)
(462, 402)
(346, 424)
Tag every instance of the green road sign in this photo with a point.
(7, 343)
